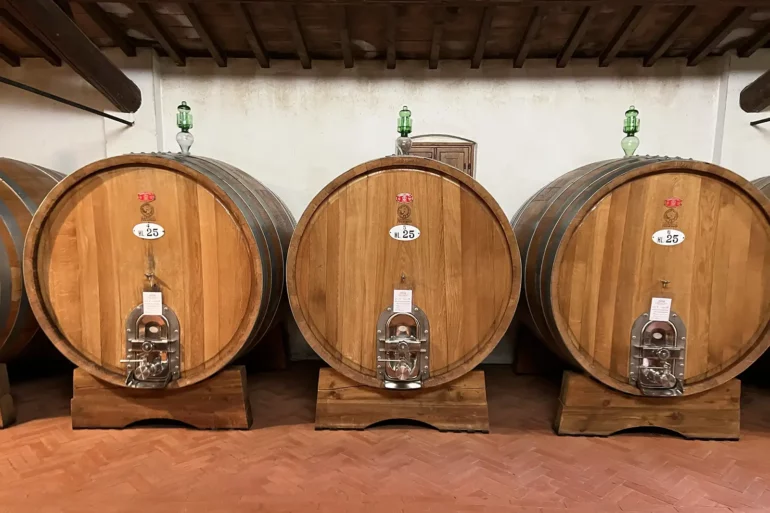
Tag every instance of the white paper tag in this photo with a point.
(152, 303)
(402, 301)
(660, 309)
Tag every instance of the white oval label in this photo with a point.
(668, 237)
(404, 232)
(149, 231)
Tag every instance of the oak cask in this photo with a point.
(22, 187)
(403, 273)
(204, 240)
(650, 273)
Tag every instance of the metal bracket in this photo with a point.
(657, 356)
(152, 349)
(403, 343)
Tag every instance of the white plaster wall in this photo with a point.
(746, 149)
(295, 130)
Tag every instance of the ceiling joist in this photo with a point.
(620, 38)
(439, 12)
(756, 41)
(668, 37)
(160, 34)
(296, 34)
(191, 11)
(391, 36)
(576, 37)
(716, 36)
(481, 41)
(533, 25)
(347, 51)
(252, 36)
(111, 28)
(9, 57)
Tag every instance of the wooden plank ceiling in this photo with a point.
(351, 31)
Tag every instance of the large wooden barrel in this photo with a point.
(208, 237)
(403, 273)
(22, 187)
(763, 184)
(601, 242)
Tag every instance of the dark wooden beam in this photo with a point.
(157, 31)
(191, 11)
(755, 97)
(347, 51)
(8, 56)
(65, 6)
(391, 36)
(252, 36)
(716, 36)
(439, 13)
(533, 25)
(296, 34)
(632, 21)
(756, 41)
(28, 37)
(481, 40)
(576, 37)
(479, 3)
(59, 32)
(669, 36)
(112, 29)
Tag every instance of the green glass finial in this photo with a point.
(184, 119)
(405, 122)
(630, 127)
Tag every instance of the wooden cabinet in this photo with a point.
(459, 155)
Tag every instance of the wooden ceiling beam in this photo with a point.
(668, 37)
(756, 41)
(109, 27)
(620, 38)
(439, 13)
(716, 36)
(8, 56)
(191, 11)
(480, 3)
(164, 39)
(755, 97)
(26, 35)
(252, 36)
(481, 41)
(296, 34)
(65, 6)
(533, 25)
(52, 25)
(391, 36)
(576, 37)
(347, 51)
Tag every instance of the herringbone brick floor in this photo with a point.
(283, 465)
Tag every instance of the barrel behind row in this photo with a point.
(208, 238)
(601, 242)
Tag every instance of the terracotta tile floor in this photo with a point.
(283, 465)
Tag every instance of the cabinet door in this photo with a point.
(455, 156)
(423, 151)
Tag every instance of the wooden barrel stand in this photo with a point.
(153, 274)
(588, 408)
(403, 275)
(457, 406)
(649, 276)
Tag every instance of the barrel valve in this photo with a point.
(403, 348)
(152, 348)
(657, 356)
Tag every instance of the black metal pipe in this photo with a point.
(64, 101)
(759, 121)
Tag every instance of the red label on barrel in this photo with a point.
(146, 196)
(673, 202)
(404, 197)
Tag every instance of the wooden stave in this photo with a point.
(380, 165)
(266, 239)
(542, 316)
(19, 333)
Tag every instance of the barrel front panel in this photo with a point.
(459, 268)
(91, 266)
(718, 277)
